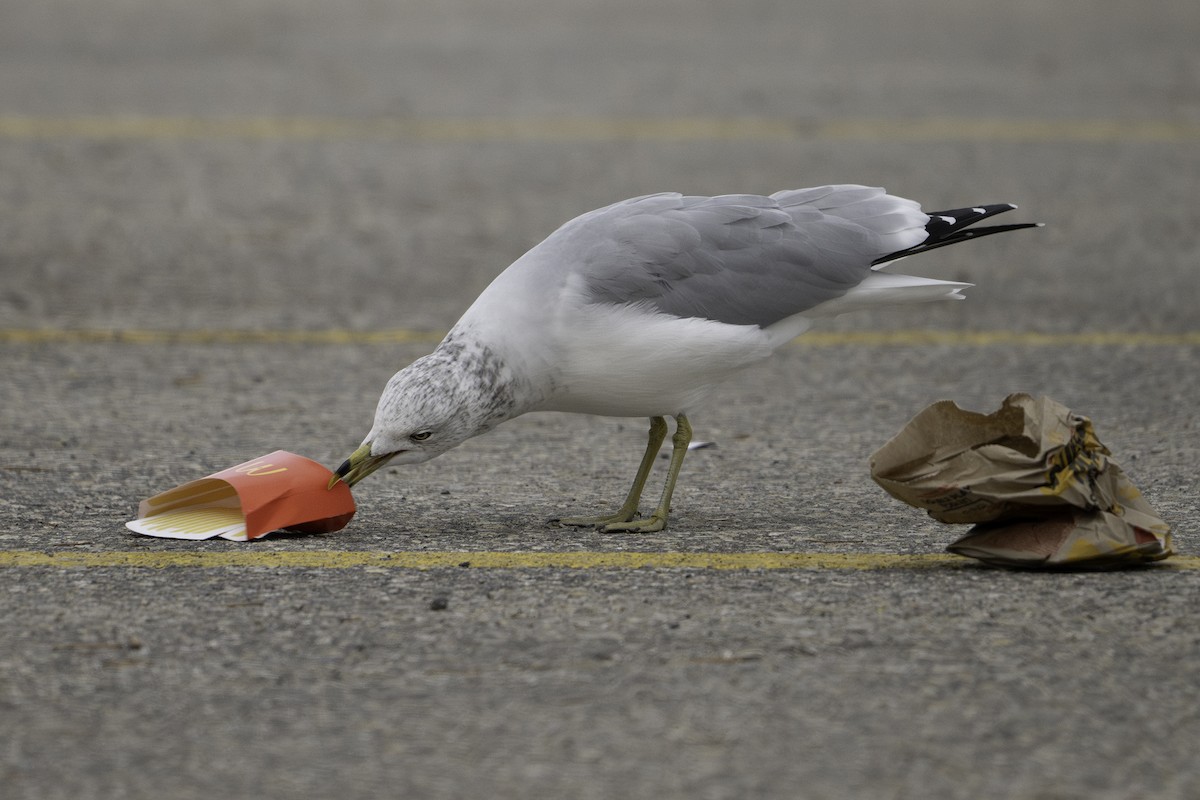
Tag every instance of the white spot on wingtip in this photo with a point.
(947, 220)
(978, 210)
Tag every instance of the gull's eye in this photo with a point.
(421, 436)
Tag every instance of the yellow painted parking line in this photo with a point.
(325, 559)
(591, 128)
(419, 560)
(899, 338)
(212, 336)
(910, 338)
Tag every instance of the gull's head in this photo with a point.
(423, 412)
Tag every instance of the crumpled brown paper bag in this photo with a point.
(1043, 489)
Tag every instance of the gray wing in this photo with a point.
(739, 259)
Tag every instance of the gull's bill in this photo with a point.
(359, 465)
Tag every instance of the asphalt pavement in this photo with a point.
(223, 226)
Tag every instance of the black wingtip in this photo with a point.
(952, 226)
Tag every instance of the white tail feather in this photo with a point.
(887, 289)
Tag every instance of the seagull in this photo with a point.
(640, 308)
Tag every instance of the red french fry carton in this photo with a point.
(278, 491)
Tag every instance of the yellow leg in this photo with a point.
(629, 509)
(658, 520)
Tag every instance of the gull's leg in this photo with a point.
(658, 520)
(629, 509)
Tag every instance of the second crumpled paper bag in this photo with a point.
(1045, 490)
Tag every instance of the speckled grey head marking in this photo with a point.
(460, 390)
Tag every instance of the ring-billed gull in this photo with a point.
(640, 308)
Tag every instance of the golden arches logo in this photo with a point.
(1079, 459)
(258, 469)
